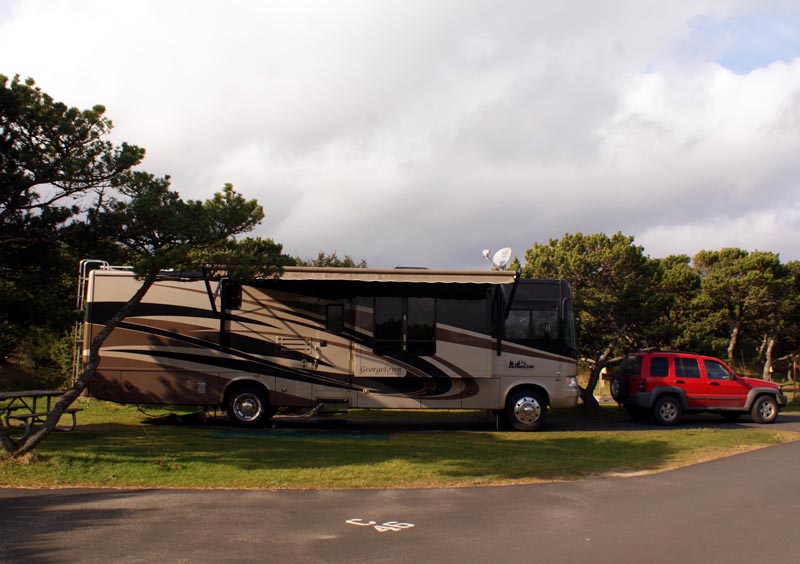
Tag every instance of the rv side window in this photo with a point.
(388, 325)
(334, 318)
(536, 328)
(421, 326)
(405, 325)
(518, 324)
(544, 324)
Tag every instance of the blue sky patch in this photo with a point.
(746, 42)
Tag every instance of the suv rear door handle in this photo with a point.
(680, 382)
(713, 383)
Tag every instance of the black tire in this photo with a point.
(731, 415)
(667, 410)
(526, 409)
(619, 387)
(764, 410)
(248, 406)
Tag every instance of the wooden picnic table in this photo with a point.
(32, 406)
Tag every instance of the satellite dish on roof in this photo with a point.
(500, 259)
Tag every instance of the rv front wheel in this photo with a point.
(248, 406)
(525, 410)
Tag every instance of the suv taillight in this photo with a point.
(638, 384)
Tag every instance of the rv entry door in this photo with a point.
(333, 363)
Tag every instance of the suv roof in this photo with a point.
(667, 352)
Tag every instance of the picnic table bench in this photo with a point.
(26, 407)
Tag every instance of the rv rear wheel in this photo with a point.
(248, 406)
(525, 410)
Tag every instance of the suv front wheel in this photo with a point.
(764, 410)
(667, 410)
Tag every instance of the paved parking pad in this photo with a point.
(740, 509)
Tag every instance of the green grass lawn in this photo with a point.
(114, 447)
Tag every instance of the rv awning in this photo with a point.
(400, 275)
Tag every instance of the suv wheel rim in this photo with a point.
(668, 411)
(766, 410)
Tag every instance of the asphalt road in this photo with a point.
(744, 508)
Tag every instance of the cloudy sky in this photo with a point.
(418, 132)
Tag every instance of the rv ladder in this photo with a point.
(80, 303)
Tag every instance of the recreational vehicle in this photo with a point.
(358, 338)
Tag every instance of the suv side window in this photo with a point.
(716, 371)
(687, 368)
(659, 366)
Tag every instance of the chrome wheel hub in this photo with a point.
(527, 410)
(247, 407)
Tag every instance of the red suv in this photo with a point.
(665, 385)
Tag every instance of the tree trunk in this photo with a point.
(767, 373)
(27, 444)
(733, 342)
(5, 440)
(587, 394)
(762, 348)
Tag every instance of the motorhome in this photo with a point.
(406, 338)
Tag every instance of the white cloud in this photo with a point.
(706, 144)
(753, 231)
(413, 132)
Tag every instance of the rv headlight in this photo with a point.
(572, 382)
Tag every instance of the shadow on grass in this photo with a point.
(168, 456)
(382, 449)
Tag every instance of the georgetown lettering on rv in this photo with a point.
(380, 371)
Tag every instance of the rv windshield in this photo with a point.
(570, 337)
(540, 316)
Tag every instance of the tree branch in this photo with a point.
(31, 441)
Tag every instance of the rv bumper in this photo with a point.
(569, 397)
